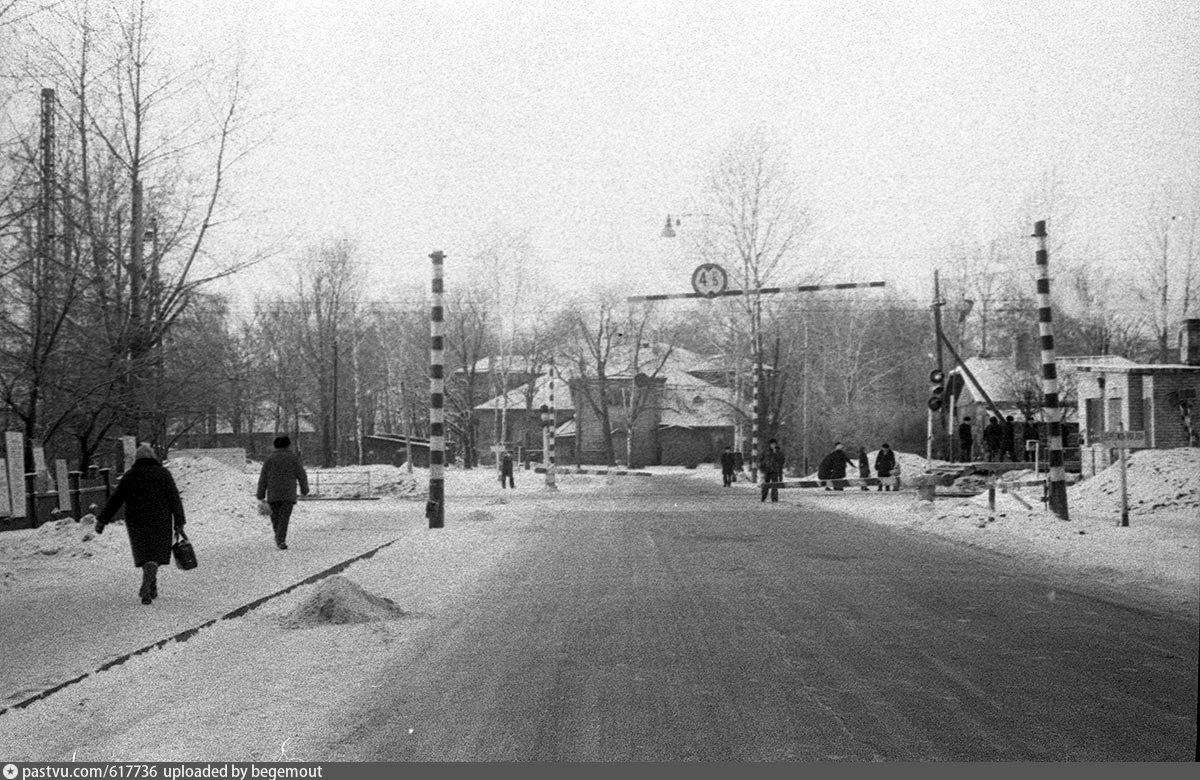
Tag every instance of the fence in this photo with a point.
(339, 484)
(48, 501)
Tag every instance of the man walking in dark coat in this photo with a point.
(153, 512)
(771, 465)
(281, 473)
(506, 471)
(727, 466)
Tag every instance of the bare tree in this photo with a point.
(758, 218)
(1169, 283)
(327, 296)
(508, 282)
(599, 334)
(146, 158)
(470, 340)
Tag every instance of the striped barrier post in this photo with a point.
(550, 463)
(756, 339)
(1056, 486)
(435, 508)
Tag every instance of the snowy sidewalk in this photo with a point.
(55, 630)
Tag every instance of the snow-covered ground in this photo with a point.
(242, 689)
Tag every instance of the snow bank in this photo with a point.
(215, 493)
(60, 539)
(1157, 481)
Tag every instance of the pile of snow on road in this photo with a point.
(338, 600)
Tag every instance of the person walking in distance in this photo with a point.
(885, 465)
(771, 466)
(153, 513)
(966, 440)
(506, 471)
(728, 462)
(281, 473)
(864, 466)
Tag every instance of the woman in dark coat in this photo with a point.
(153, 511)
(833, 466)
(885, 464)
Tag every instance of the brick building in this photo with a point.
(1159, 399)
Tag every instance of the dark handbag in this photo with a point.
(183, 552)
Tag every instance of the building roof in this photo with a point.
(515, 398)
(1001, 380)
(1129, 367)
(996, 377)
(697, 404)
(650, 355)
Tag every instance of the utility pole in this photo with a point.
(435, 507)
(550, 436)
(943, 426)
(1056, 487)
(407, 428)
(137, 243)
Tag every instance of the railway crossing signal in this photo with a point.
(937, 389)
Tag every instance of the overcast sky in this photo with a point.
(414, 126)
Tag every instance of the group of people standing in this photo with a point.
(154, 514)
(833, 467)
(999, 439)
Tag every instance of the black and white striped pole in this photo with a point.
(435, 507)
(550, 460)
(1056, 486)
(756, 346)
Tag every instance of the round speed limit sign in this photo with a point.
(709, 280)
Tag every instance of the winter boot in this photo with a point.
(149, 589)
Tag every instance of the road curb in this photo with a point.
(188, 633)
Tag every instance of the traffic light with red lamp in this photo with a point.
(937, 389)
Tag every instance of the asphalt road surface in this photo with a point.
(698, 624)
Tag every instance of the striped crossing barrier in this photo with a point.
(762, 290)
(833, 483)
(609, 472)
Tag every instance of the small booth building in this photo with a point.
(1159, 399)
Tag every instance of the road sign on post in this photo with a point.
(709, 280)
(1124, 440)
